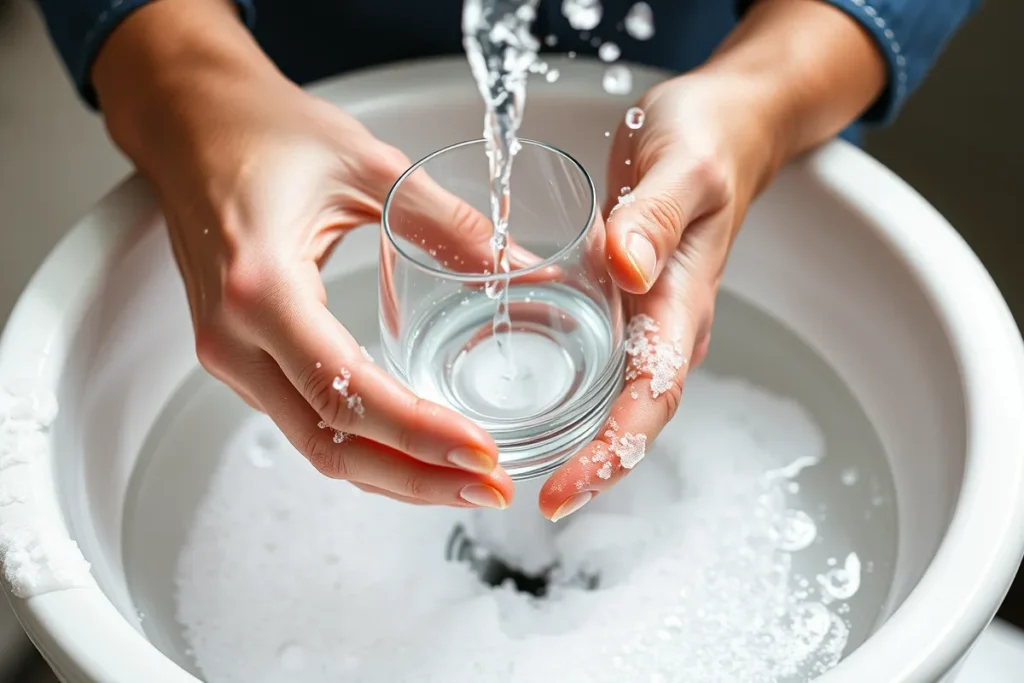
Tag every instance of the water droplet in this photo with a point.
(850, 476)
(628, 162)
(640, 21)
(634, 118)
(583, 15)
(842, 583)
(794, 531)
(551, 76)
(609, 52)
(618, 80)
(292, 657)
(551, 40)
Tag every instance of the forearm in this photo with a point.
(163, 60)
(811, 69)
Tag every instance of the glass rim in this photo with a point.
(488, 277)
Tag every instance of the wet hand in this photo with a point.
(680, 178)
(259, 182)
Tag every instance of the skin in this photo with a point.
(260, 181)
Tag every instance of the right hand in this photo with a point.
(258, 182)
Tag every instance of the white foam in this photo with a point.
(37, 554)
(287, 570)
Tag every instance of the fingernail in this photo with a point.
(471, 460)
(642, 255)
(571, 505)
(483, 496)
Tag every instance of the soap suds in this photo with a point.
(38, 556)
(695, 581)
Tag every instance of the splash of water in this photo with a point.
(501, 50)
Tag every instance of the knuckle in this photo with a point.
(211, 349)
(324, 457)
(321, 395)
(386, 163)
(247, 288)
(673, 398)
(664, 215)
(709, 174)
(417, 486)
(468, 223)
(420, 413)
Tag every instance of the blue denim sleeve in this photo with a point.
(910, 34)
(79, 27)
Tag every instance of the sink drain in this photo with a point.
(495, 571)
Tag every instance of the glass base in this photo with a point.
(566, 369)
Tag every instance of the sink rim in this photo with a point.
(84, 637)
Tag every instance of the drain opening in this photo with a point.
(495, 571)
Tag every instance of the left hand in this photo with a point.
(692, 169)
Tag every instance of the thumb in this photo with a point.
(645, 226)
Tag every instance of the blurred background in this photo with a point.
(959, 142)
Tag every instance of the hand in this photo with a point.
(259, 182)
(790, 76)
(678, 189)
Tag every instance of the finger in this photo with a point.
(662, 334)
(353, 395)
(388, 292)
(405, 499)
(645, 231)
(452, 232)
(365, 462)
(387, 494)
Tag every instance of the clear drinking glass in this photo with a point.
(542, 383)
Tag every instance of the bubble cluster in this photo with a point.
(694, 551)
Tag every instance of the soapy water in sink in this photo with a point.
(755, 543)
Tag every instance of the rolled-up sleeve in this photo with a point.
(910, 35)
(79, 27)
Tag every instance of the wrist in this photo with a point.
(810, 69)
(159, 66)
